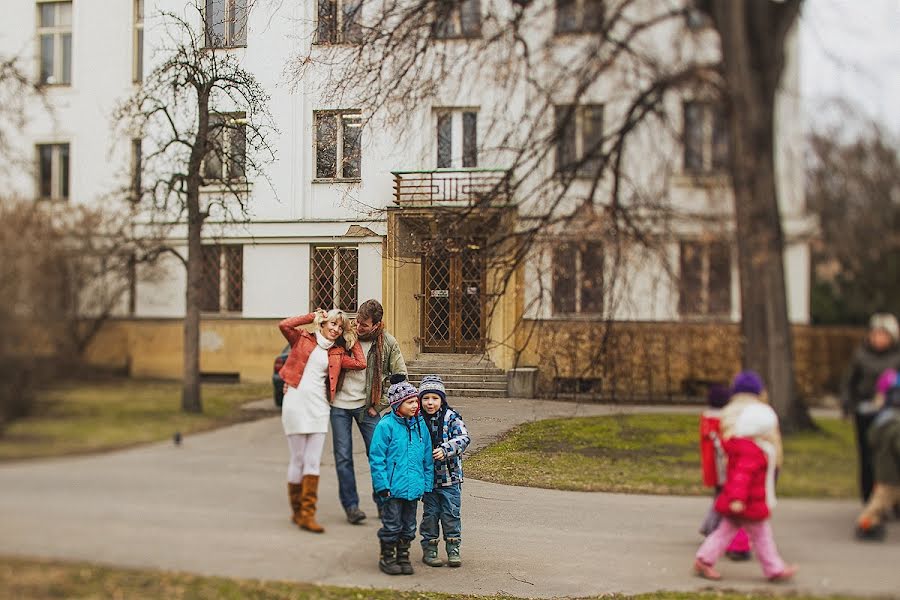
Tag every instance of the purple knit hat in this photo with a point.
(747, 382)
(717, 395)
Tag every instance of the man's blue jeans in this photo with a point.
(398, 520)
(442, 511)
(342, 439)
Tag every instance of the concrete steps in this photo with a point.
(470, 375)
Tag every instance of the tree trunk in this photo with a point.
(190, 392)
(753, 35)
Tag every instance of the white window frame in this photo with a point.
(579, 130)
(709, 114)
(234, 119)
(56, 180)
(57, 31)
(457, 137)
(335, 275)
(341, 115)
(579, 278)
(225, 280)
(137, 60)
(705, 311)
(228, 22)
(340, 33)
(580, 17)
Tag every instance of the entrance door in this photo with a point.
(453, 302)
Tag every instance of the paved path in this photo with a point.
(217, 506)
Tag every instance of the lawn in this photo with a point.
(654, 454)
(93, 416)
(45, 580)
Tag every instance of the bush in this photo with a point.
(17, 388)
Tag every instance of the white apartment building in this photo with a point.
(320, 234)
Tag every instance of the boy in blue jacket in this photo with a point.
(449, 439)
(402, 467)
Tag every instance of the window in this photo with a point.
(55, 42)
(338, 144)
(339, 22)
(136, 168)
(222, 284)
(457, 138)
(579, 16)
(137, 65)
(705, 138)
(226, 155)
(457, 19)
(578, 278)
(579, 139)
(226, 23)
(335, 278)
(705, 285)
(53, 171)
(695, 18)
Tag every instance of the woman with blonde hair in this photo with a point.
(311, 373)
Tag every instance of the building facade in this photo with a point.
(425, 213)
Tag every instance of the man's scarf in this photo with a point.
(377, 339)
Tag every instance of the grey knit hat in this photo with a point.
(433, 384)
(400, 390)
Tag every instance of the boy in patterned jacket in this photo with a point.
(449, 439)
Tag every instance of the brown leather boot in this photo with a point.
(294, 495)
(308, 498)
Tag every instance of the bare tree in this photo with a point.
(205, 122)
(543, 60)
(853, 177)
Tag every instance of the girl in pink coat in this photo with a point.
(748, 496)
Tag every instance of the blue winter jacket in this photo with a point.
(400, 457)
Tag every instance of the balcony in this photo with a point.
(464, 188)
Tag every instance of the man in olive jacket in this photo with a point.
(360, 398)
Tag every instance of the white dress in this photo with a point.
(305, 408)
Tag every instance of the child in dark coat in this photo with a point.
(747, 496)
(449, 439)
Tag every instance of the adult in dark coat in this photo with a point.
(879, 351)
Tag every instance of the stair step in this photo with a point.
(453, 393)
(466, 377)
(470, 385)
(442, 370)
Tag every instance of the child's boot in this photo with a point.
(387, 560)
(870, 532)
(403, 557)
(786, 575)
(453, 559)
(706, 571)
(430, 554)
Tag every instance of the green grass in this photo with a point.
(94, 416)
(651, 453)
(27, 579)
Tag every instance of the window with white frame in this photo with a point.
(704, 286)
(222, 282)
(579, 139)
(137, 64)
(338, 144)
(335, 278)
(136, 169)
(457, 137)
(226, 155)
(339, 22)
(55, 42)
(579, 16)
(53, 171)
(457, 19)
(705, 138)
(696, 18)
(578, 278)
(226, 23)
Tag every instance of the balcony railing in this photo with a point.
(452, 187)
